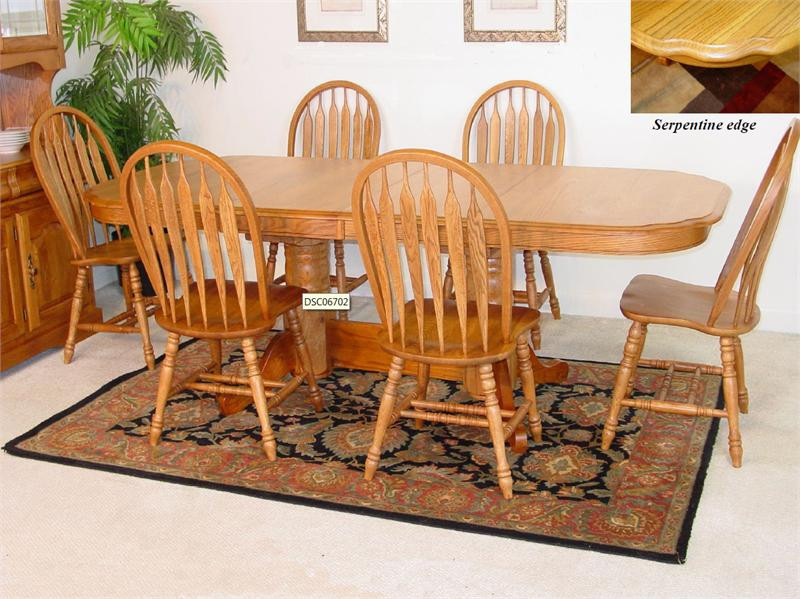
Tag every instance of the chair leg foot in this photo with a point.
(314, 392)
(529, 388)
(75, 313)
(731, 396)
(270, 448)
(141, 316)
(164, 386)
(268, 443)
(495, 420)
(384, 417)
(630, 356)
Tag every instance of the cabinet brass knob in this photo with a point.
(32, 272)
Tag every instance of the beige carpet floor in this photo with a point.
(72, 532)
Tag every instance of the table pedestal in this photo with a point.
(354, 344)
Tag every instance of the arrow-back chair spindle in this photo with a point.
(177, 208)
(536, 141)
(408, 206)
(70, 154)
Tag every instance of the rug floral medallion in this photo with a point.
(636, 499)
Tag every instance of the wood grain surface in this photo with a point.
(715, 33)
(578, 209)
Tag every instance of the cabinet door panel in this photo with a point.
(12, 324)
(48, 277)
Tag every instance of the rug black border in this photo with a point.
(678, 557)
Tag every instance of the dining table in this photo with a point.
(306, 203)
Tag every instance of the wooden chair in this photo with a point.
(352, 131)
(534, 133)
(446, 209)
(719, 311)
(167, 216)
(70, 153)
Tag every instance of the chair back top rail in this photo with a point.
(746, 258)
(399, 227)
(70, 153)
(337, 119)
(520, 117)
(167, 219)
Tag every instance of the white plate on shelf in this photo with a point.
(14, 139)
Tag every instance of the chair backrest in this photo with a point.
(170, 206)
(71, 153)
(746, 259)
(423, 202)
(337, 119)
(531, 133)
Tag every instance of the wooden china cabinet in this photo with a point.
(36, 278)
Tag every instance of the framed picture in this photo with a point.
(342, 21)
(515, 20)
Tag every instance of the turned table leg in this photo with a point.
(308, 266)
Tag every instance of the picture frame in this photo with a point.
(500, 20)
(342, 21)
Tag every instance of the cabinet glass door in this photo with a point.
(21, 18)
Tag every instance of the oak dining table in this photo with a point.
(305, 203)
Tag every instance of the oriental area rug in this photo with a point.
(637, 499)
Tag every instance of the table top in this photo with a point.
(583, 209)
(715, 31)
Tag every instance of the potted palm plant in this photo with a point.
(137, 44)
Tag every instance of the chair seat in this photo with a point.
(659, 300)
(522, 320)
(114, 253)
(282, 298)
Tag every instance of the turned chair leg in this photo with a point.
(731, 395)
(268, 443)
(547, 272)
(215, 348)
(632, 379)
(164, 386)
(126, 286)
(744, 397)
(303, 353)
(532, 293)
(341, 273)
(633, 348)
(141, 317)
(447, 284)
(271, 259)
(423, 377)
(75, 313)
(384, 417)
(493, 416)
(529, 387)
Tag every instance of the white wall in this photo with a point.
(426, 78)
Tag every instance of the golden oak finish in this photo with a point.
(167, 219)
(533, 132)
(36, 277)
(715, 33)
(401, 238)
(46, 50)
(350, 128)
(70, 153)
(592, 210)
(719, 311)
(566, 208)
